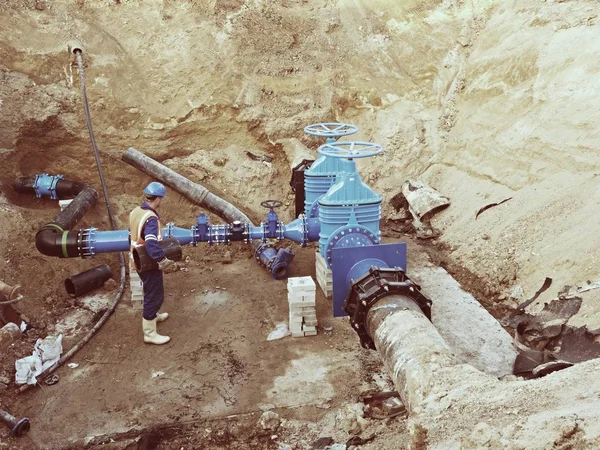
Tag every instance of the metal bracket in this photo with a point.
(344, 259)
(375, 285)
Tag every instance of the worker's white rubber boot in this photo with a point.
(161, 317)
(150, 334)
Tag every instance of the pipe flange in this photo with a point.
(194, 230)
(304, 230)
(349, 236)
(85, 240)
(260, 248)
(169, 227)
(372, 287)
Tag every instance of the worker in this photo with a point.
(145, 229)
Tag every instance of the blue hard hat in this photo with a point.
(156, 189)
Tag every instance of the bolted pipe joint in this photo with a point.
(376, 285)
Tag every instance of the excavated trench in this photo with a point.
(220, 92)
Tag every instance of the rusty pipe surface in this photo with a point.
(18, 427)
(10, 292)
(409, 345)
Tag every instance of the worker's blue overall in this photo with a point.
(152, 280)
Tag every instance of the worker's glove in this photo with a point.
(164, 263)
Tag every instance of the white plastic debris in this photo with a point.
(46, 353)
(73, 365)
(23, 326)
(281, 330)
(157, 374)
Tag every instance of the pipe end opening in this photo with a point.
(21, 428)
(74, 47)
(280, 272)
(70, 287)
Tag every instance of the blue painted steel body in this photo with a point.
(265, 253)
(348, 202)
(94, 241)
(318, 179)
(281, 265)
(352, 263)
(184, 235)
(45, 184)
(323, 172)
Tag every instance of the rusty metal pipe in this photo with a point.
(409, 345)
(18, 427)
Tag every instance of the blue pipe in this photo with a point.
(299, 230)
(45, 184)
(105, 241)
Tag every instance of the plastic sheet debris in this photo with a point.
(73, 365)
(546, 343)
(46, 353)
(157, 374)
(423, 200)
(281, 330)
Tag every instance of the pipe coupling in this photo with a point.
(375, 285)
(45, 184)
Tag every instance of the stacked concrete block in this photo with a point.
(301, 299)
(137, 290)
(324, 276)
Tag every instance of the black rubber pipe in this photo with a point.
(87, 281)
(54, 238)
(144, 263)
(18, 427)
(113, 223)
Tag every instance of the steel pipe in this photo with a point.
(18, 427)
(409, 345)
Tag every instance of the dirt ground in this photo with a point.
(484, 100)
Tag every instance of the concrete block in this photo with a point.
(299, 311)
(310, 333)
(302, 297)
(296, 319)
(305, 328)
(299, 334)
(302, 304)
(310, 323)
(324, 276)
(301, 284)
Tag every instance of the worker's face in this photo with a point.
(158, 201)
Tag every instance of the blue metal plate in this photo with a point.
(394, 255)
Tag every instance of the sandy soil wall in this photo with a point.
(485, 100)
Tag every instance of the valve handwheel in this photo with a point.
(350, 149)
(330, 129)
(271, 204)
